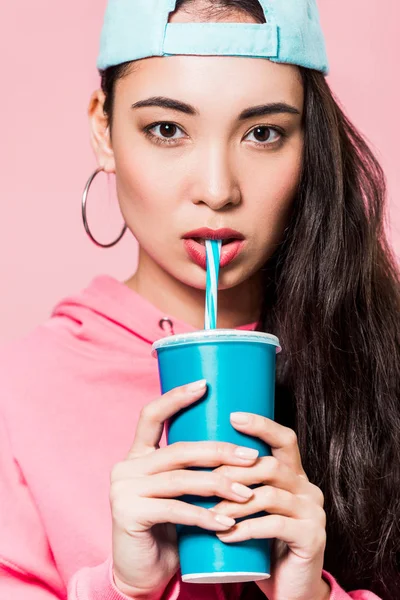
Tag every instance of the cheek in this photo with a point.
(279, 182)
(284, 184)
(285, 174)
(275, 191)
(142, 189)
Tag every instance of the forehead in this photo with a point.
(225, 80)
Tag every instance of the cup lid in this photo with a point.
(212, 335)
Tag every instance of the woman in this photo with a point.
(81, 393)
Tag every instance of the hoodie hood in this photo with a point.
(108, 313)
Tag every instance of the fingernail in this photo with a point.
(197, 385)
(244, 452)
(224, 520)
(239, 417)
(242, 490)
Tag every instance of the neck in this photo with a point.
(236, 306)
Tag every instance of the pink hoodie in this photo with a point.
(71, 393)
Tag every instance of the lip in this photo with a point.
(197, 252)
(214, 234)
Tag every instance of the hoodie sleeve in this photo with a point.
(97, 583)
(27, 567)
(338, 593)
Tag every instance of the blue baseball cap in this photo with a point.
(136, 29)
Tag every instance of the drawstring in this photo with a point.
(166, 320)
(170, 325)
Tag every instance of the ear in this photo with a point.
(100, 132)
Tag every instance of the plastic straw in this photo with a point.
(213, 254)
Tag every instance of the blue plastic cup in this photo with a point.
(239, 367)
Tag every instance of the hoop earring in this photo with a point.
(84, 217)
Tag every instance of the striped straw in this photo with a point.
(213, 253)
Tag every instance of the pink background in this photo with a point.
(48, 52)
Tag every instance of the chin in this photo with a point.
(229, 277)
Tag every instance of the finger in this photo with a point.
(303, 536)
(142, 514)
(267, 470)
(283, 440)
(178, 483)
(184, 454)
(274, 501)
(150, 426)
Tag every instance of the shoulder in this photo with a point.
(32, 361)
(30, 365)
(23, 354)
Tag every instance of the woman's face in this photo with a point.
(209, 169)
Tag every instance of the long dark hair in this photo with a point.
(332, 295)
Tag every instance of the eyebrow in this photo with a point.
(248, 113)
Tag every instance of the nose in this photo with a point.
(216, 183)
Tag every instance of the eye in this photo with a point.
(269, 135)
(166, 129)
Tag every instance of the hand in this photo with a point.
(143, 495)
(297, 519)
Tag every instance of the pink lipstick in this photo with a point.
(232, 244)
